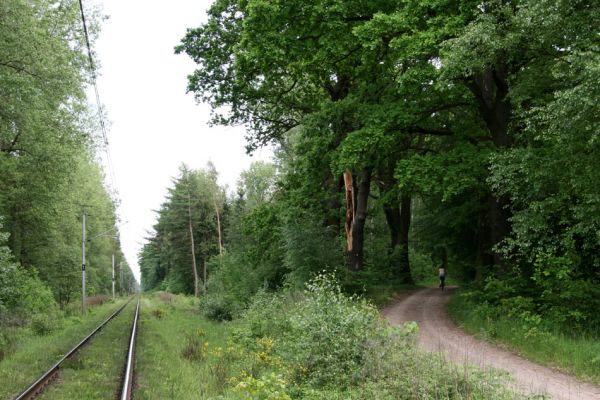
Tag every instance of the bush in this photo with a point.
(322, 344)
(324, 333)
(231, 286)
(267, 387)
(22, 293)
(45, 323)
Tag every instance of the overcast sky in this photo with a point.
(154, 126)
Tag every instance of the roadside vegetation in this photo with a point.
(49, 175)
(536, 336)
(407, 135)
(317, 343)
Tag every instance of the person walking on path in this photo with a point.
(442, 276)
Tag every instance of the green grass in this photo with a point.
(33, 354)
(95, 371)
(579, 356)
(251, 368)
(162, 371)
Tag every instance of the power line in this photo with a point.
(109, 163)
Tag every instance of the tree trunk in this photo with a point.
(218, 230)
(194, 269)
(398, 218)
(405, 218)
(392, 217)
(490, 89)
(349, 191)
(355, 255)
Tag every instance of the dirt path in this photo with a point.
(437, 333)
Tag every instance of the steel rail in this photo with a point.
(36, 387)
(127, 388)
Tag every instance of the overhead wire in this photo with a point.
(111, 169)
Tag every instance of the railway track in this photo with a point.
(125, 390)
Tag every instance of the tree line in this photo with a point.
(49, 173)
(412, 134)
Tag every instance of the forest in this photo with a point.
(49, 172)
(408, 135)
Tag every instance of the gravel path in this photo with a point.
(437, 333)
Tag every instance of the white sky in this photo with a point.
(154, 125)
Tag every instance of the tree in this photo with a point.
(186, 234)
(47, 167)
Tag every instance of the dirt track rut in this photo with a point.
(437, 333)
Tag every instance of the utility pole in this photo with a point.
(83, 265)
(113, 276)
(121, 269)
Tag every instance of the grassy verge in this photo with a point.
(34, 354)
(579, 356)
(316, 345)
(172, 361)
(95, 371)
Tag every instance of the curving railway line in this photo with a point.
(126, 382)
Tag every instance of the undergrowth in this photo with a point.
(318, 343)
(515, 323)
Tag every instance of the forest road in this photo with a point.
(437, 333)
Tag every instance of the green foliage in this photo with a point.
(43, 324)
(257, 184)
(22, 293)
(231, 285)
(486, 122)
(267, 387)
(253, 358)
(48, 170)
(324, 331)
(194, 348)
(308, 249)
(192, 207)
(517, 322)
(322, 344)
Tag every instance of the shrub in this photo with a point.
(45, 323)
(23, 296)
(231, 285)
(324, 333)
(322, 344)
(267, 387)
